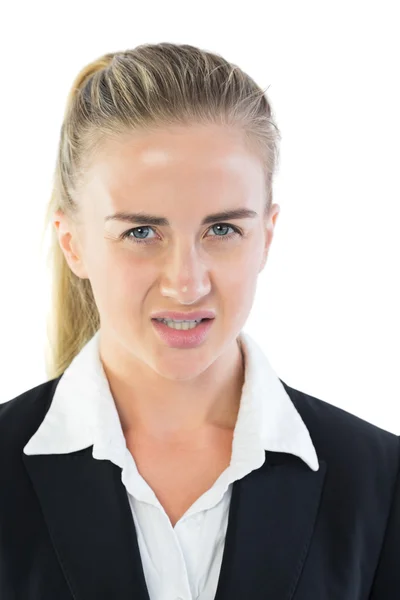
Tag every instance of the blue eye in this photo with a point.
(126, 234)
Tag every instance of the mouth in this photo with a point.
(198, 320)
(189, 337)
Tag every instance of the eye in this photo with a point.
(126, 234)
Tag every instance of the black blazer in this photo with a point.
(67, 532)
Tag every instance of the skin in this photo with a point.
(169, 396)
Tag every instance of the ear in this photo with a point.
(70, 243)
(270, 223)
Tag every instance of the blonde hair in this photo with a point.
(138, 89)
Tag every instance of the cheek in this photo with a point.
(238, 285)
(117, 281)
(242, 270)
(130, 278)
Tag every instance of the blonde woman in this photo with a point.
(164, 459)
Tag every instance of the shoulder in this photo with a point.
(21, 416)
(345, 439)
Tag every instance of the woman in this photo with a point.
(164, 460)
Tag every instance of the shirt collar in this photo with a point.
(83, 413)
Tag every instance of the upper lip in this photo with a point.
(181, 316)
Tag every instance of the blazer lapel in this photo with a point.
(85, 505)
(272, 518)
(87, 512)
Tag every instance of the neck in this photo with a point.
(151, 405)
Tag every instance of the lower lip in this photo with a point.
(179, 338)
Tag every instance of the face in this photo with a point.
(183, 175)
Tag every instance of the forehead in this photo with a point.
(175, 152)
(194, 168)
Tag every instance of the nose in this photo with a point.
(186, 276)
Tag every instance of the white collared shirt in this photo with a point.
(181, 562)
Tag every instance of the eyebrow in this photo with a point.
(146, 219)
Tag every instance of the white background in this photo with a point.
(326, 311)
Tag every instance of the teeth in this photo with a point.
(180, 324)
(175, 321)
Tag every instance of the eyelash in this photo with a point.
(125, 235)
